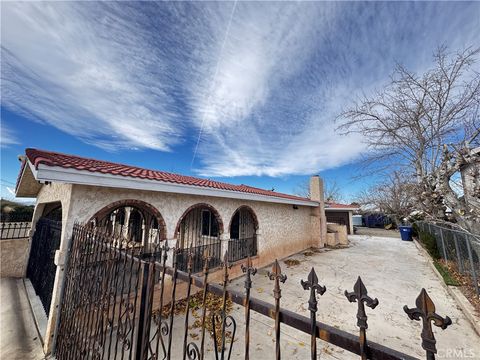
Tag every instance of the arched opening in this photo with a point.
(243, 234)
(53, 211)
(135, 221)
(198, 232)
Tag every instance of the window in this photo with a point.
(209, 224)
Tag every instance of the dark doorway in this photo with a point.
(338, 217)
(41, 269)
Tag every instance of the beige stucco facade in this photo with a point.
(283, 229)
(13, 257)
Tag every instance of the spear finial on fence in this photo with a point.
(360, 294)
(249, 270)
(425, 310)
(277, 276)
(312, 285)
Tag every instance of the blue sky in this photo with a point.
(244, 92)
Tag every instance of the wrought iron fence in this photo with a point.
(151, 316)
(460, 249)
(41, 268)
(198, 260)
(14, 230)
(239, 249)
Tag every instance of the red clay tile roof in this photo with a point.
(333, 205)
(49, 158)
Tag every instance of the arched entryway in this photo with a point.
(243, 234)
(198, 232)
(135, 221)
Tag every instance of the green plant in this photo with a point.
(415, 230)
(430, 244)
(447, 278)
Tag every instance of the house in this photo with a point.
(340, 214)
(148, 207)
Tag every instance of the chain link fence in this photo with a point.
(458, 248)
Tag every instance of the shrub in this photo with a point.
(415, 230)
(430, 243)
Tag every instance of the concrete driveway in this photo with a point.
(394, 271)
(18, 335)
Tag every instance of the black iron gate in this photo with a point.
(41, 268)
(121, 302)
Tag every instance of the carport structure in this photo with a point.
(340, 214)
(154, 207)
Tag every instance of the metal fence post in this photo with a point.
(472, 265)
(144, 319)
(457, 249)
(443, 245)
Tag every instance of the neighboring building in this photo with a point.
(150, 206)
(340, 214)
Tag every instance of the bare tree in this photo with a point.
(331, 190)
(428, 124)
(393, 197)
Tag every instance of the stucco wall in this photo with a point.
(13, 257)
(283, 230)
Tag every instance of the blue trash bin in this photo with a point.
(406, 233)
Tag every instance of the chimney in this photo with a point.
(316, 188)
(319, 226)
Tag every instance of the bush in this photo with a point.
(415, 230)
(429, 243)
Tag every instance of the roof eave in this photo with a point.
(341, 209)
(28, 186)
(73, 176)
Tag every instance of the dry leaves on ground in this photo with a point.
(292, 262)
(213, 306)
(466, 284)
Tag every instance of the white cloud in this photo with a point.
(150, 75)
(7, 136)
(289, 69)
(60, 66)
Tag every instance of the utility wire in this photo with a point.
(7, 182)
